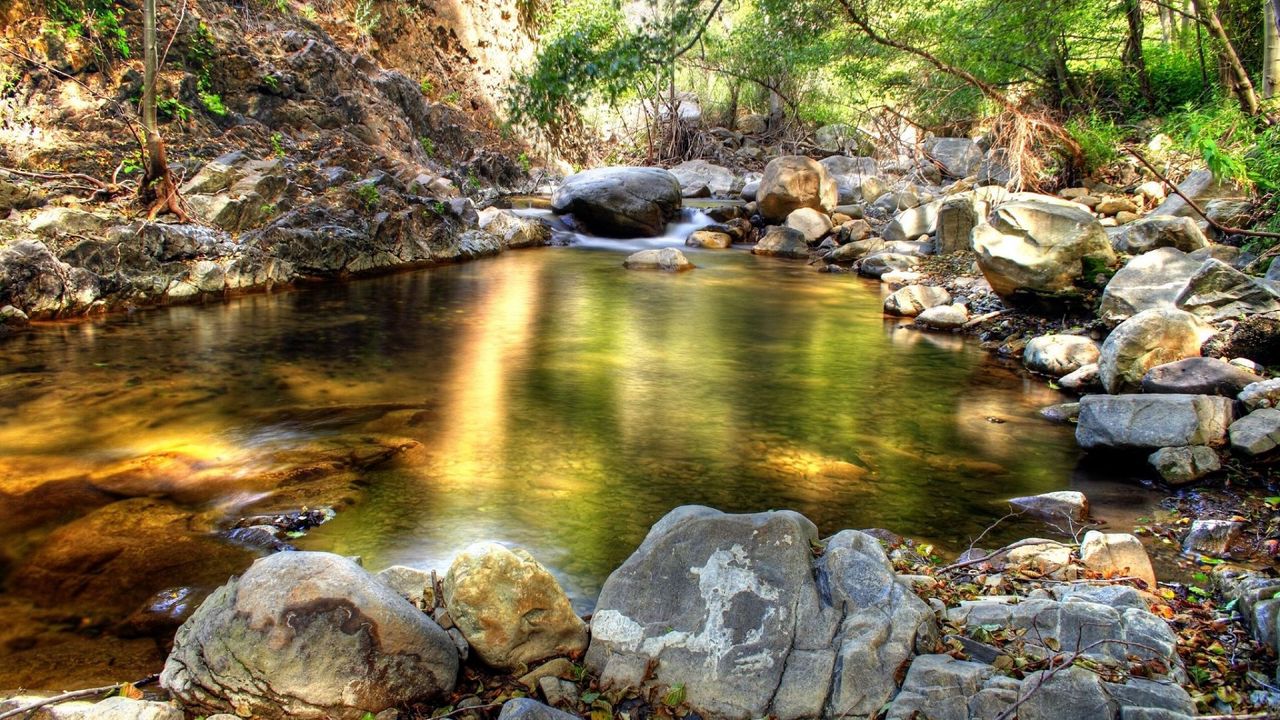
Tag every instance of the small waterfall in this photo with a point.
(677, 231)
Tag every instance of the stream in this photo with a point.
(544, 398)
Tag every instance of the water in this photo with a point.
(547, 398)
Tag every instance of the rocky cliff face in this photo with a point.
(313, 139)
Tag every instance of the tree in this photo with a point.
(158, 190)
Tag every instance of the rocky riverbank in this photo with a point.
(718, 616)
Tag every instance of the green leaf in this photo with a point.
(590, 696)
(1273, 501)
(675, 695)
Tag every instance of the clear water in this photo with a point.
(560, 403)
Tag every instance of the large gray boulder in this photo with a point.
(850, 173)
(1157, 231)
(1040, 246)
(737, 609)
(1218, 291)
(794, 181)
(509, 608)
(957, 217)
(620, 202)
(34, 280)
(1152, 421)
(1148, 339)
(1149, 281)
(959, 157)
(1059, 355)
(1257, 433)
(308, 635)
(695, 174)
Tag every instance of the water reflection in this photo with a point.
(548, 399)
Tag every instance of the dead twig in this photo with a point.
(1225, 230)
(74, 695)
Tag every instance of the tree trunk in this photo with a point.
(1167, 24)
(1243, 85)
(158, 190)
(1270, 49)
(1133, 58)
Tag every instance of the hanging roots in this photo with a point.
(1031, 143)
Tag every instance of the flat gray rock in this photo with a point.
(1198, 376)
(1152, 421)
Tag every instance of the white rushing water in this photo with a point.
(677, 231)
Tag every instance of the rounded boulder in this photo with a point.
(621, 202)
(308, 635)
(509, 608)
(792, 182)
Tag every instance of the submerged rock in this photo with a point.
(668, 259)
(308, 635)
(620, 201)
(510, 609)
(737, 610)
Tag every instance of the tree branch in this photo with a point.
(1225, 230)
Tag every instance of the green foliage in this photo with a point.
(173, 109)
(213, 103)
(365, 18)
(1218, 133)
(473, 182)
(452, 97)
(428, 146)
(99, 19)
(1099, 138)
(369, 196)
(525, 163)
(427, 87)
(271, 82)
(277, 144)
(308, 11)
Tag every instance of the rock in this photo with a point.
(1218, 291)
(851, 174)
(944, 317)
(1058, 355)
(11, 316)
(898, 279)
(1230, 213)
(957, 217)
(1061, 413)
(794, 181)
(110, 561)
(510, 609)
(1257, 433)
(411, 584)
(709, 239)
(855, 250)
(1183, 465)
(1212, 537)
(112, 708)
(719, 180)
(1151, 190)
(1157, 231)
(514, 231)
(1055, 506)
(911, 223)
(666, 259)
(1124, 218)
(1148, 339)
(837, 137)
(1115, 205)
(1082, 380)
(1047, 555)
(559, 667)
(558, 692)
(1117, 555)
(1201, 187)
(308, 635)
(19, 196)
(810, 223)
(1150, 281)
(55, 221)
(784, 242)
(36, 282)
(1258, 601)
(1197, 376)
(737, 610)
(885, 262)
(1256, 337)
(1152, 421)
(526, 709)
(620, 201)
(750, 191)
(1040, 247)
(1262, 394)
(959, 157)
(911, 300)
